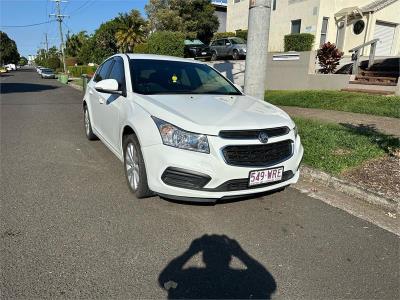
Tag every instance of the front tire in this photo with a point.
(135, 169)
(88, 125)
(235, 55)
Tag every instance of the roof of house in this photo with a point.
(377, 5)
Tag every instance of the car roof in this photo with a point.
(160, 57)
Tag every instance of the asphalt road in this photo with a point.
(71, 228)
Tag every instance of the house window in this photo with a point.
(236, 1)
(324, 30)
(358, 27)
(273, 4)
(296, 26)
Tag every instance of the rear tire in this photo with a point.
(88, 125)
(134, 167)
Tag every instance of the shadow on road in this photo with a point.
(17, 87)
(217, 280)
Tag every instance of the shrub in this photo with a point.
(53, 62)
(166, 43)
(221, 35)
(299, 42)
(77, 71)
(329, 57)
(71, 61)
(141, 48)
(242, 34)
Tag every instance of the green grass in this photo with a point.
(336, 148)
(336, 100)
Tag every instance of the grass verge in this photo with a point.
(340, 101)
(335, 148)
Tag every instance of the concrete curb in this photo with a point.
(75, 86)
(350, 189)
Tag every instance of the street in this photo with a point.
(71, 228)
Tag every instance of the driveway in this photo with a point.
(70, 227)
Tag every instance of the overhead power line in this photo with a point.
(29, 25)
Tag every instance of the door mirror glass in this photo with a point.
(109, 86)
(228, 43)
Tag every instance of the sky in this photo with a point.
(84, 15)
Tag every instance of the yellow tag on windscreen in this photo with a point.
(174, 78)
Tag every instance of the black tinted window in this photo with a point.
(103, 71)
(118, 73)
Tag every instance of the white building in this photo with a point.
(348, 23)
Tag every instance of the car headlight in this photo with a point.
(176, 137)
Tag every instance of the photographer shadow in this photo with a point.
(217, 280)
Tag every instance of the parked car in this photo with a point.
(11, 67)
(228, 47)
(183, 131)
(39, 69)
(47, 73)
(197, 49)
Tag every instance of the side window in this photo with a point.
(103, 71)
(96, 76)
(118, 72)
(220, 42)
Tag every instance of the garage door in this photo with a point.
(385, 33)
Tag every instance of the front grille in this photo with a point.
(253, 133)
(243, 184)
(258, 155)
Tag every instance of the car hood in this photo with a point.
(208, 114)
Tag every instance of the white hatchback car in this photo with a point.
(183, 131)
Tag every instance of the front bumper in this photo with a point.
(223, 180)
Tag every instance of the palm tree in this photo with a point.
(132, 30)
(75, 42)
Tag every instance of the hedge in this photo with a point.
(141, 48)
(299, 42)
(77, 71)
(221, 35)
(242, 34)
(166, 43)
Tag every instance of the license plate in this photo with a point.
(265, 176)
(203, 53)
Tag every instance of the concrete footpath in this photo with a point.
(386, 125)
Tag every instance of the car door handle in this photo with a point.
(101, 100)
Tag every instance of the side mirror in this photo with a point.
(228, 44)
(238, 87)
(109, 86)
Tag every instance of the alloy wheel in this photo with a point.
(132, 166)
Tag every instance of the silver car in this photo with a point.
(228, 47)
(47, 73)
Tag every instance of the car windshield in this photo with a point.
(193, 42)
(237, 41)
(150, 76)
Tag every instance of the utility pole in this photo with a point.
(60, 18)
(257, 48)
(47, 43)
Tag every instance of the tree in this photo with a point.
(8, 50)
(74, 43)
(23, 61)
(49, 59)
(132, 31)
(187, 16)
(329, 57)
(104, 41)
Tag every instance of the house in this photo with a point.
(220, 7)
(348, 23)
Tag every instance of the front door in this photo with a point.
(112, 105)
